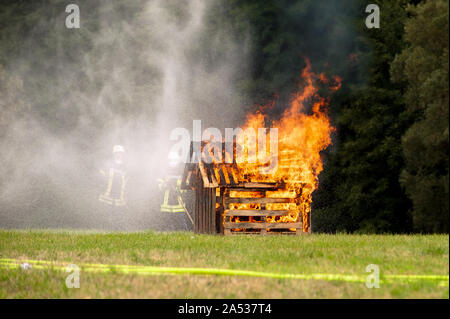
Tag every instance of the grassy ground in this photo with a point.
(331, 254)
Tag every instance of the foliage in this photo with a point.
(423, 67)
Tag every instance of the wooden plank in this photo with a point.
(217, 175)
(196, 203)
(228, 180)
(203, 173)
(225, 171)
(231, 225)
(226, 195)
(222, 177)
(236, 171)
(219, 213)
(205, 213)
(222, 203)
(208, 212)
(204, 202)
(225, 230)
(257, 233)
(205, 210)
(255, 186)
(256, 212)
(260, 185)
(199, 204)
(212, 212)
(212, 176)
(199, 200)
(262, 200)
(264, 230)
(241, 189)
(208, 168)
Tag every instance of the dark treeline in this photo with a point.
(387, 170)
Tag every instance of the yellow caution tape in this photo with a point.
(152, 270)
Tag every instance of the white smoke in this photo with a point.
(140, 76)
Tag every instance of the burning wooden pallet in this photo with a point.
(226, 203)
(250, 215)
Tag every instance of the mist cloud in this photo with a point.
(129, 75)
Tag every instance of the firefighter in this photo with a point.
(173, 205)
(114, 196)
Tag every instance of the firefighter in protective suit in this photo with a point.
(114, 196)
(173, 205)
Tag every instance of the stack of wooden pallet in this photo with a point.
(249, 215)
(222, 204)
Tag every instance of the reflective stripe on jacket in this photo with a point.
(115, 194)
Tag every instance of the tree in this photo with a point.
(359, 188)
(423, 66)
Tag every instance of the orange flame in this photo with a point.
(301, 138)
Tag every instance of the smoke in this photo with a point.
(129, 75)
(134, 71)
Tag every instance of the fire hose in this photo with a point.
(184, 207)
(163, 184)
(6, 263)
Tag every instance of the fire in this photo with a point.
(302, 135)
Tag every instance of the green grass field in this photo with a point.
(314, 254)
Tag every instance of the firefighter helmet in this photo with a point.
(118, 149)
(174, 159)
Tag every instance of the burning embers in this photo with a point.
(264, 182)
